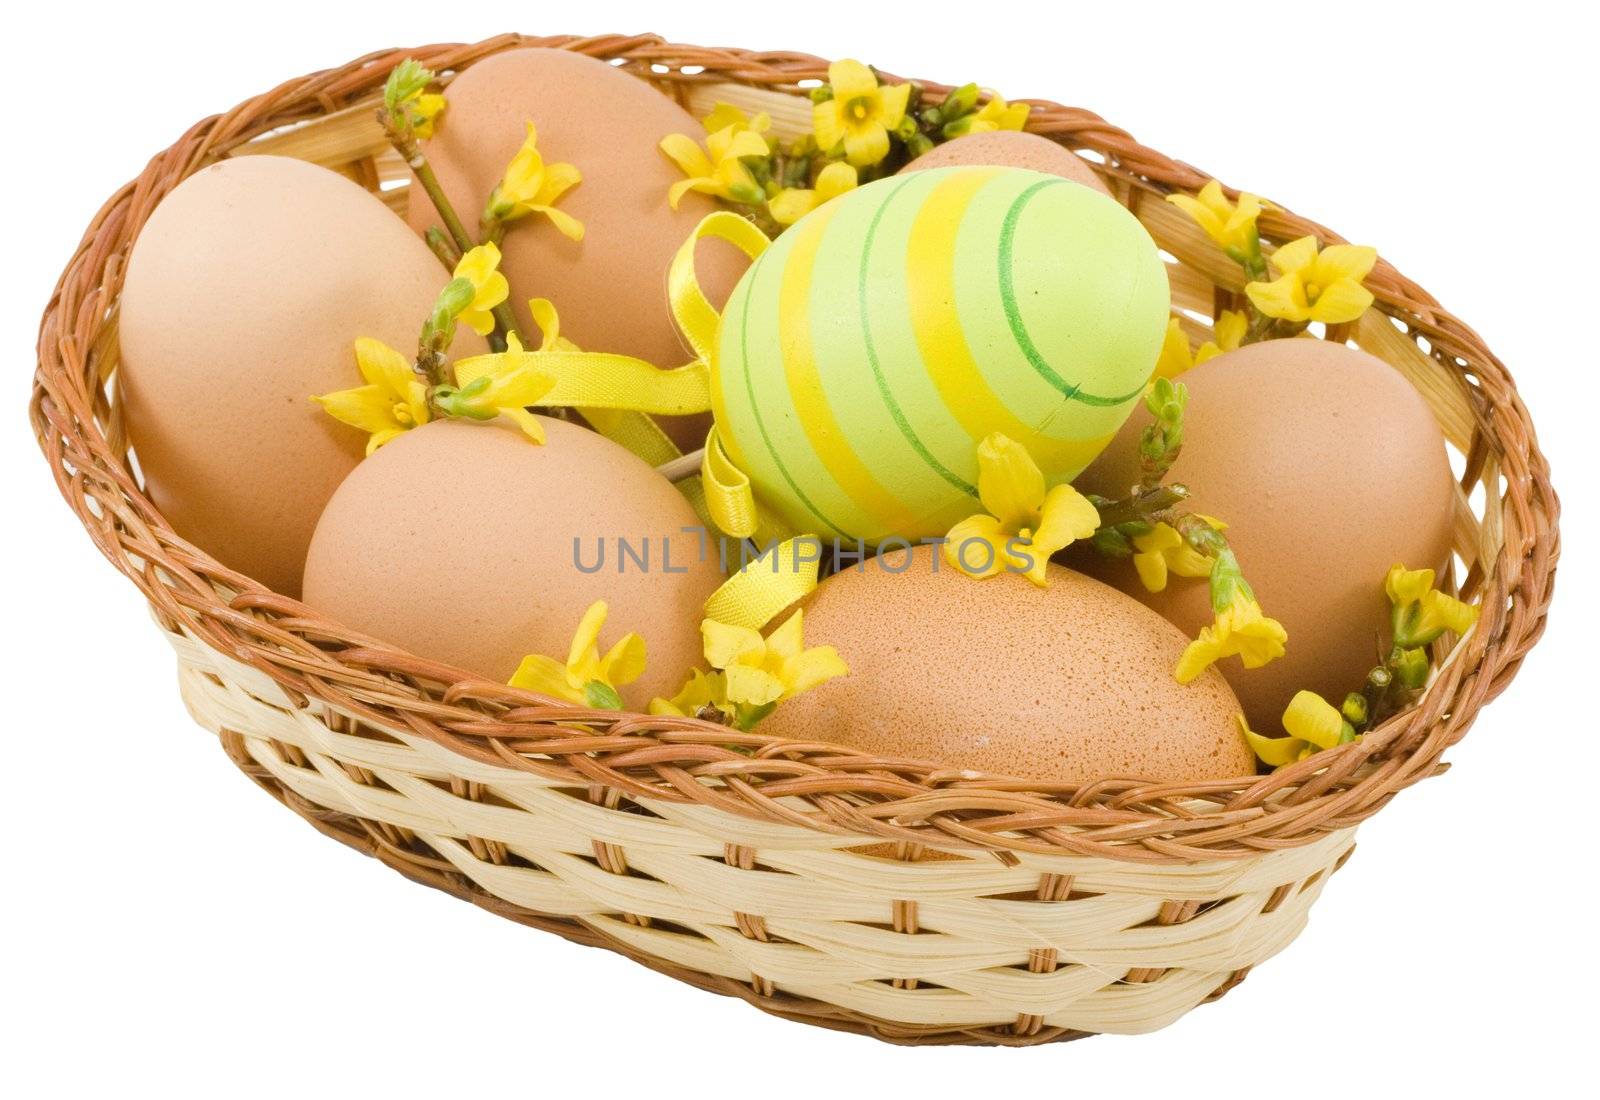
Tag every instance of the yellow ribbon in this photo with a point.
(729, 498)
(697, 318)
(770, 583)
(633, 430)
(604, 380)
(731, 502)
(615, 392)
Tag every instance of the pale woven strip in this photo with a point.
(827, 910)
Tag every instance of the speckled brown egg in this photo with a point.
(466, 543)
(1011, 149)
(1328, 468)
(611, 287)
(245, 293)
(1069, 683)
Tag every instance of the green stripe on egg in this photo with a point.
(864, 355)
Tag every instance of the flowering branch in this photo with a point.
(1149, 527)
(407, 114)
(862, 129)
(442, 247)
(1419, 615)
(1312, 285)
(400, 395)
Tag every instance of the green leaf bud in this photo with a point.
(601, 695)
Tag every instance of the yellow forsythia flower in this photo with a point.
(1227, 333)
(1311, 718)
(1240, 628)
(1312, 723)
(725, 115)
(1025, 524)
(761, 671)
(1231, 225)
(860, 114)
(407, 102)
(720, 168)
(793, 203)
(1405, 586)
(490, 386)
(530, 186)
(393, 401)
(1316, 285)
(1271, 751)
(544, 315)
(424, 109)
(1162, 551)
(996, 114)
(481, 268)
(587, 677)
(1422, 612)
(1176, 358)
(702, 689)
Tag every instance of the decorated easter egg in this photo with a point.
(865, 354)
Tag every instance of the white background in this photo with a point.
(167, 925)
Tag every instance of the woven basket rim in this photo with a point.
(811, 784)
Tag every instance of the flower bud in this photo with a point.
(1354, 709)
(601, 695)
(960, 101)
(406, 81)
(1411, 667)
(1112, 542)
(463, 402)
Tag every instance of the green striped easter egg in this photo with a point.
(863, 356)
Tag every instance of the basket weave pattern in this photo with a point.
(892, 897)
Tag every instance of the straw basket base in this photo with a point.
(842, 932)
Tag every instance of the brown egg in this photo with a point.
(1069, 683)
(1011, 149)
(611, 287)
(467, 543)
(1328, 468)
(246, 291)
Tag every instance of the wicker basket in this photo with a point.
(906, 901)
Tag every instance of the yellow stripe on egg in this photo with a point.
(870, 508)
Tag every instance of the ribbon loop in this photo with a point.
(770, 583)
(729, 498)
(696, 316)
